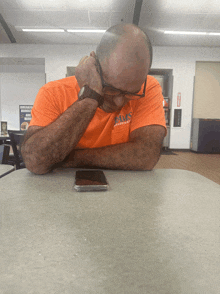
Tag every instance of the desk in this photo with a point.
(153, 232)
(4, 138)
(5, 169)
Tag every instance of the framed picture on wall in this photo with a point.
(4, 128)
(25, 116)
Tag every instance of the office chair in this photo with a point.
(4, 153)
(16, 139)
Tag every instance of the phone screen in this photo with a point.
(90, 180)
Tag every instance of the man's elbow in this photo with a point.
(36, 168)
(143, 166)
(146, 167)
(149, 164)
(39, 171)
(33, 165)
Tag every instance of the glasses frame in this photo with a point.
(123, 93)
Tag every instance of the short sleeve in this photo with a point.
(52, 100)
(149, 110)
(44, 110)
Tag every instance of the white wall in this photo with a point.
(57, 57)
(18, 89)
(183, 62)
(0, 102)
(181, 59)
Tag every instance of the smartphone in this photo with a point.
(90, 180)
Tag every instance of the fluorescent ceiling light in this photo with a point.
(184, 33)
(86, 31)
(65, 5)
(44, 30)
(214, 34)
(191, 33)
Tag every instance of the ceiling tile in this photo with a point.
(189, 6)
(92, 5)
(156, 16)
(39, 5)
(118, 17)
(8, 4)
(64, 38)
(118, 5)
(48, 19)
(99, 19)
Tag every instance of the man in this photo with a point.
(116, 120)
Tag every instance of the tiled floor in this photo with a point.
(207, 165)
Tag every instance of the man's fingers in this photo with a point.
(92, 54)
(82, 60)
(86, 73)
(87, 59)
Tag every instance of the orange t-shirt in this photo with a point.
(105, 128)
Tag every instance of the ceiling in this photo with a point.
(155, 16)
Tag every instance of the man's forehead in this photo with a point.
(126, 78)
(119, 64)
(127, 64)
(129, 52)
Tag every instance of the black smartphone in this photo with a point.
(90, 180)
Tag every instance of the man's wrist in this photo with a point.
(90, 101)
(87, 92)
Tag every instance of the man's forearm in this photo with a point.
(52, 143)
(126, 156)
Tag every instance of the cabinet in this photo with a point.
(206, 135)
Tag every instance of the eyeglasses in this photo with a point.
(112, 91)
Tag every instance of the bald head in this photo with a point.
(125, 54)
(136, 41)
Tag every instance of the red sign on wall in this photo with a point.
(179, 99)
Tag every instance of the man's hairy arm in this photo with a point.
(142, 152)
(49, 145)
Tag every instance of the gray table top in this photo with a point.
(153, 232)
(5, 169)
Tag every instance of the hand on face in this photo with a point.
(113, 103)
(87, 74)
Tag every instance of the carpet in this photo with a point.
(168, 152)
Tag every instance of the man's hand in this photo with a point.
(86, 73)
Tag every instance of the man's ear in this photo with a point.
(92, 54)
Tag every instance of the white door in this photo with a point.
(207, 90)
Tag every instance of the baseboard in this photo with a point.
(187, 150)
(176, 150)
